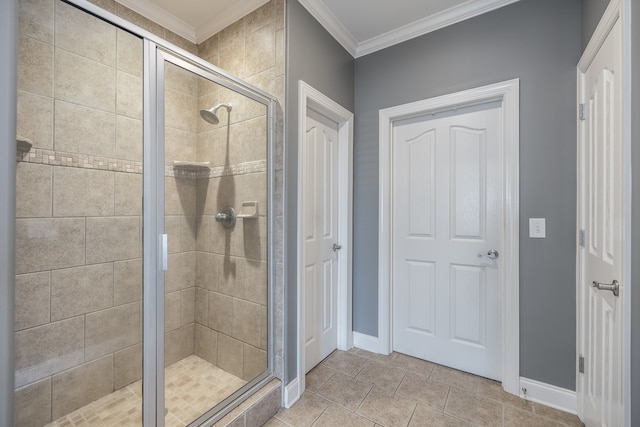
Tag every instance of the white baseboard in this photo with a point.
(549, 395)
(291, 393)
(366, 342)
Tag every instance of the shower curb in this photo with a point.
(256, 410)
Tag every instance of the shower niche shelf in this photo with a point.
(191, 166)
(23, 144)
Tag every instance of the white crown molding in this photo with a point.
(162, 17)
(222, 20)
(328, 20)
(227, 17)
(462, 12)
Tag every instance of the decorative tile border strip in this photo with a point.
(85, 161)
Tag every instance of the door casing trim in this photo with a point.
(509, 93)
(308, 97)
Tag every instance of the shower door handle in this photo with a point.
(163, 252)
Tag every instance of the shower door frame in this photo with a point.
(155, 51)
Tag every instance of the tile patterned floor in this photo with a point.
(362, 389)
(193, 386)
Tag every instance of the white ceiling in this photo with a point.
(361, 26)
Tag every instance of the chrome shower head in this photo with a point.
(210, 115)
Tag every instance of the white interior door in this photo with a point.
(447, 217)
(600, 398)
(320, 228)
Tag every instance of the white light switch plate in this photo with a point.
(537, 228)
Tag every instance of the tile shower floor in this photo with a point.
(358, 388)
(193, 386)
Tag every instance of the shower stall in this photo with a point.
(144, 229)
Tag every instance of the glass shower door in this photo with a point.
(215, 205)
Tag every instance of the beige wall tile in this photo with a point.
(260, 50)
(205, 86)
(202, 306)
(179, 41)
(33, 190)
(188, 306)
(129, 139)
(207, 271)
(255, 140)
(231, 57)
(209, 48)
(113, 239)
(127, 281)
(266, 81)
(212, 147)
(280, 14)
(128, 194)
(181, 273)
(180, 145)
(32, 404)
(95, 134)
(247, 321)
(83, 81)
(172, 311)
(49, 349)
(255, 281)
(255, 362)
(35, 19)
(35, 119)
(127, 365)
(129, 53)
(260, 17)
(203, 227)
(108, 5)
(179, 344)
(206, 344)
(230, 355)
(233, 34)
(82, 385)
(180, 80)
(84, 34)
(253, 186)
(221, 313)
(181, 111)
(45, 244)
(32, 300)
(182, 232)
(231, 276)
(111, 330)
(129, 96)
(35, 66)
(280, 52)
(180, 196)
(82, 192)
(81, 290)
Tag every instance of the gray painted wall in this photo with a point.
(635, 238)
(592, 11)
(538, 41)
(8, 27)
(315, 57)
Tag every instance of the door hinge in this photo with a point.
(582, 238)
(581, 364)
(582, 112)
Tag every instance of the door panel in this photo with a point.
(320, 229)
(599, 389)
(447, 299)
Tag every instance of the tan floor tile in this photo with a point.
(459, 379)
(520, 418)
(412, 364)
(493, 390)
(345, 391)
(555, 414)
(424, 391)
(304, 412)
(386, 409)
(337, 416)
(274, 422)
(316, 377)
(424, 416)
(381, 358)
(347, 363)
(381, 375)
(476, 410)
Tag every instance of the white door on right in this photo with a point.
(600, 288)
(446, 234)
